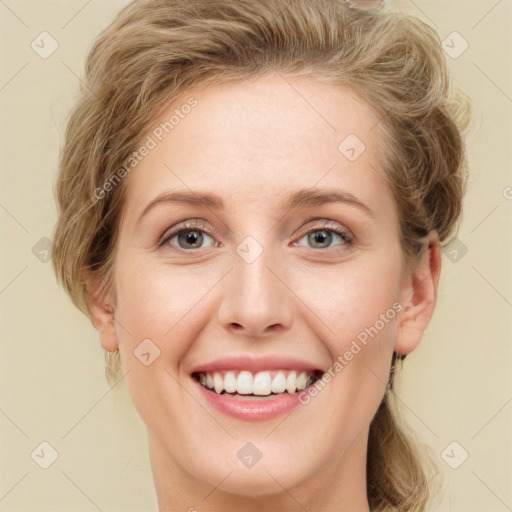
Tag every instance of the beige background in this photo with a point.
(455, 387)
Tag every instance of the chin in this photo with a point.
(264, 478)
(257, 484)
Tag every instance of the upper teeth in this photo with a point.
(261, 383)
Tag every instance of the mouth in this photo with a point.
(261, 385)
(252, 388)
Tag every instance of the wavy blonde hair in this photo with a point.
(155, 49)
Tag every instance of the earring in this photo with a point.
(396, 357)
(112, 366)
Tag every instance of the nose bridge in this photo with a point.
(255, 299)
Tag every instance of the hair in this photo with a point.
(155, 50)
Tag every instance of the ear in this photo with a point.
(418, 297)
(102, 312)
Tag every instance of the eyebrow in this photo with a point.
(304, 198)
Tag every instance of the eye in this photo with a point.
(189, 235)
(322, 237)
(192, 235)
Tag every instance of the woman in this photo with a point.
(253, 196)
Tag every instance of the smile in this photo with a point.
(257, 384)
(254, 389)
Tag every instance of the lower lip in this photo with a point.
(251, 410)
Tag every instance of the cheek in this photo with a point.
(358, 300)
(359, 304)
(160, 304)
(361, 309)
(157, 315)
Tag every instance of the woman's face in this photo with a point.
(288, 264)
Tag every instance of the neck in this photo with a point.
(340, 486)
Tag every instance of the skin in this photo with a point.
(254, 143)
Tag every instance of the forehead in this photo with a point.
(252, 141)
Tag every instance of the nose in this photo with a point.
(256, 301)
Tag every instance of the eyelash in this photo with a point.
(198, 225)
(191, 225)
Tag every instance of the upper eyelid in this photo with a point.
(187, 225)
(329, 225)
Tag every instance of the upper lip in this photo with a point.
(255, 364)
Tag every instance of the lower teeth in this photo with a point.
(251, 396)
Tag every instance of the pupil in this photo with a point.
(321, 237)
(192, 237)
